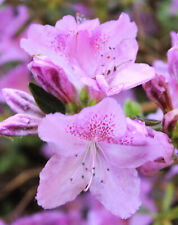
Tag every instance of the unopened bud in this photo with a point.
(170, 120)
(158, 92)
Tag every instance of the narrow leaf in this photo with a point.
(168, 197)
(45, 101)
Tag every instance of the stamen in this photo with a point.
(93, 152)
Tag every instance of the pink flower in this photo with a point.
(97, 149)
(99, 56)
(9, 24)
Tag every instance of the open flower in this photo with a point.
(97, 149)
(99, 56)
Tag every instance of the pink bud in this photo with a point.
(19, 125)
(158, 92)
(170, 120)
(21, 102)
(52, 78)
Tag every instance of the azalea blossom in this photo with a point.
(100, 56)
(98, 149)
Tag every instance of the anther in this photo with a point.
(83, 164)
(107, 169)
(71, 179)
(94, 174)
(101, 181)
(82, 176)
(76, 155)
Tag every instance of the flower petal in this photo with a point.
(19, 125)
(132, 155)
(117, 189)
(129, 76)
(21, 102)
(102, 122)
(55, 129)
(69, 134)
(60, 181)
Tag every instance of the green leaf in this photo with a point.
(154, 124)
(45, 101)
(173, 213)
(168, 197)
(132, 109)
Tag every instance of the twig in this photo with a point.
(19, 180)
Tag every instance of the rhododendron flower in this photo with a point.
(100, 56)
(28, 116)
(97, 149)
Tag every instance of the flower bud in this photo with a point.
(170, 120)
(158, 92)
(53, 79)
